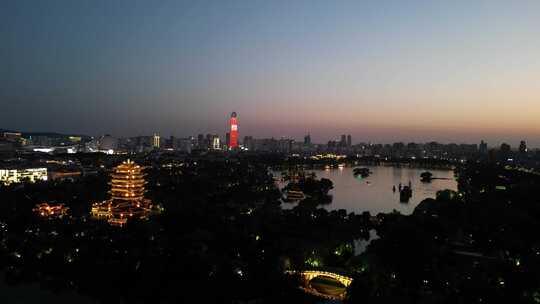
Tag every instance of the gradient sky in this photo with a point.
(382, 71)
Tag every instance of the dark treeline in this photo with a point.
(480, 245)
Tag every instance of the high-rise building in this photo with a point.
(200, 141)
(522, 147)
(156, 141)
(233, 122)
(343, 141)
(349, 140)
(249, 143)
(228, 139)
(215, 142)
(208, 140)
(172, 143)
(307, 140)
(483, 149)
(127, 196)
(285, 145)
(505, 151)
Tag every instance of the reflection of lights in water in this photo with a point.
(353, 194)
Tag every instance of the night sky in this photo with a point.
(382, 71)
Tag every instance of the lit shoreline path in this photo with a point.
(309, 275)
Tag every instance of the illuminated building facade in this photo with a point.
(9, 176)
(233, 122)
(127, 196)
(216, 145)
(156, 141)
(51, 210)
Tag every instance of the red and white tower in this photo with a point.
(234, 131)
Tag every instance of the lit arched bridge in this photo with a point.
(308, 276)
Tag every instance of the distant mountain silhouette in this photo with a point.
(48, 134)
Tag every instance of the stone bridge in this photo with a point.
(309, 275)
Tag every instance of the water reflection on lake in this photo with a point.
(374, 193)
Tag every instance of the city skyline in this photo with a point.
(418, 72)
(336, 138)
(269, 151)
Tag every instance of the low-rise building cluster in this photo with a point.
(51, 210)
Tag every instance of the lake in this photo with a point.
(374, 193)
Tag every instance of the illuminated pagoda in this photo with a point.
(127, 196)
(51, 210)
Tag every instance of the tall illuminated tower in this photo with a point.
(127, 196)
(156, 141)
(234, 131)
(127, 183)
